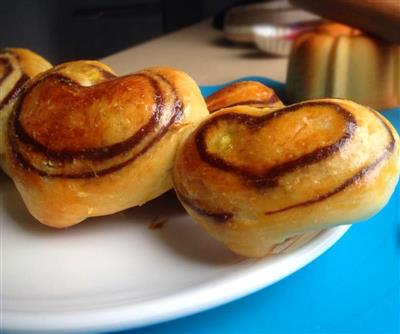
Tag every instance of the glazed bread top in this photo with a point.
(80, 121)
(254, 178)
(82, 142)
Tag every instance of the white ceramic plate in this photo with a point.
(114, 272)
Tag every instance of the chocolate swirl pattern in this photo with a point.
(96, 160)
(219, 217)
(270, 176)
(5, 65)
(17, 66)
(10, 89)
(282, 173)
(108, 140)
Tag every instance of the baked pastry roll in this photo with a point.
(251, 93)
(259, 180)
(82, 142)
(16, 67)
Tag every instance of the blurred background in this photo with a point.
(65, 30)
(269, 29)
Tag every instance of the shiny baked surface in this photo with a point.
(255, 177)
(89, 143)
(251, 93)
(64, 129)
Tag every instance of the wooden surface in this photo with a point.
(201, 51)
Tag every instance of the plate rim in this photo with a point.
(131, 316)
(170, 307)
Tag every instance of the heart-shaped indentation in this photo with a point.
(297, 135)
(64, 127)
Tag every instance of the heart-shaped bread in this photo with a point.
(83, 142)
(256, 178)
(17, 66)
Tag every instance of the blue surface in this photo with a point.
(352, 288)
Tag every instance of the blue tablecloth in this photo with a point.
(352, 288)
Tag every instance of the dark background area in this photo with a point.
(90, 29)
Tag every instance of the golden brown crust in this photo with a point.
(335, 60)
(17, 66)
(253, 178)
(243, 93)
(88, 143)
